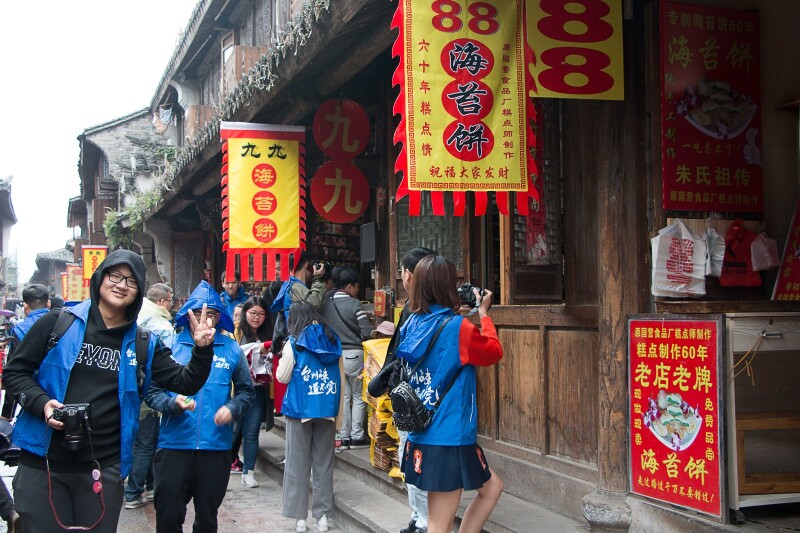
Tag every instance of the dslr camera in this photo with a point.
(467, 295)
(75, 417)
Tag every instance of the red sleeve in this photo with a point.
(479, 346)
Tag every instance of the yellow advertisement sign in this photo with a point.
(92, 257)
(576, 49)
(263, 193)
(464, 101)
(76, 289)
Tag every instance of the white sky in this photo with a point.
(68, 66)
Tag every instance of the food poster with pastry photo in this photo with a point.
(710, 109)
(675, 412)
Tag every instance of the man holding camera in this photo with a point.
(81, 398)
(296, 289)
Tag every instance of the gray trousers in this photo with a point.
(354, 407)
(309, 448)
(72, 496)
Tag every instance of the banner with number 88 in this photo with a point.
(577, 48)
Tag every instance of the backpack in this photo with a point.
(65, 320)
(408, 411)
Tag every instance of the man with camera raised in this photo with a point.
(81, 395)
(296, 289)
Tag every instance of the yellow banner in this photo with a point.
(92, 257)
(263, 193)
(577, 48)
(464, 99)
(76, 291)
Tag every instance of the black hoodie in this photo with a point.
(94, 378)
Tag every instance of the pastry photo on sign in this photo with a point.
(717, 110)
(673, 421)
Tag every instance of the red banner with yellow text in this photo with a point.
(263, 197)
(710, 109)
(465, 113)
(675, 411)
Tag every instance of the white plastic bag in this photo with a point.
(716, 252)
(679, 262)
(764, 253)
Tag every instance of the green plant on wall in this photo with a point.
(144, 203)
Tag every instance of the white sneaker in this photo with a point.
(300, 526)
(249, 480)
(149, 495)
(322, 523)
(136, 503)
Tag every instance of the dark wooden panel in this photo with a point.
(581, 131)
(522, 388)
(562, 316)
(572, 376)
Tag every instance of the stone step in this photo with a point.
(368, 500)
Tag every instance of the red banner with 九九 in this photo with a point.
(465, 112)
(263, 197)
(787, 286)
(710, 109)
(675, 417)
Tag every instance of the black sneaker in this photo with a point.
(345, 444)
(360, 443)
(412, 527)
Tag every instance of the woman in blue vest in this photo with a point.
(445, 459)
(310, 366)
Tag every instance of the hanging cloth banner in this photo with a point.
(263, 197)
(92, 257)
(465, 115)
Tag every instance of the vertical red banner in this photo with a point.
(675, 412)
(787, 286)
(710, 109)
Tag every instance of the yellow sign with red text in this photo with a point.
(576, 49)
(92, 257)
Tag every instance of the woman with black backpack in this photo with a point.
(444, 457)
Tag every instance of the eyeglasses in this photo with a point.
(170, 300)
(213, 315)
(255, 314)
(116, 278)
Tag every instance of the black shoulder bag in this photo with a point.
(408, 411)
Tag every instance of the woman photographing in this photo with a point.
(444, 458)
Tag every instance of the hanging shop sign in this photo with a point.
(64, 285)
(710, 109)
(465, 113)
(575, 49)
(263, 197)
(787, 286)
(674, 393)
(339, 190)
(92, 257)
(77, 291)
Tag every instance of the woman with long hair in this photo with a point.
(444, 458)
(310, 366)
(254, 327)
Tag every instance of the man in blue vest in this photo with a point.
(80, 399)
(233, 293)
(194, 448)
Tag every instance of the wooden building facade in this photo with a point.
(553, 412)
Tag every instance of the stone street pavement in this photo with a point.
(243, 510)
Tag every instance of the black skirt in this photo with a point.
(445, 468)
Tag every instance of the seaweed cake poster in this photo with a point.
(675, 411)
(710, 109)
